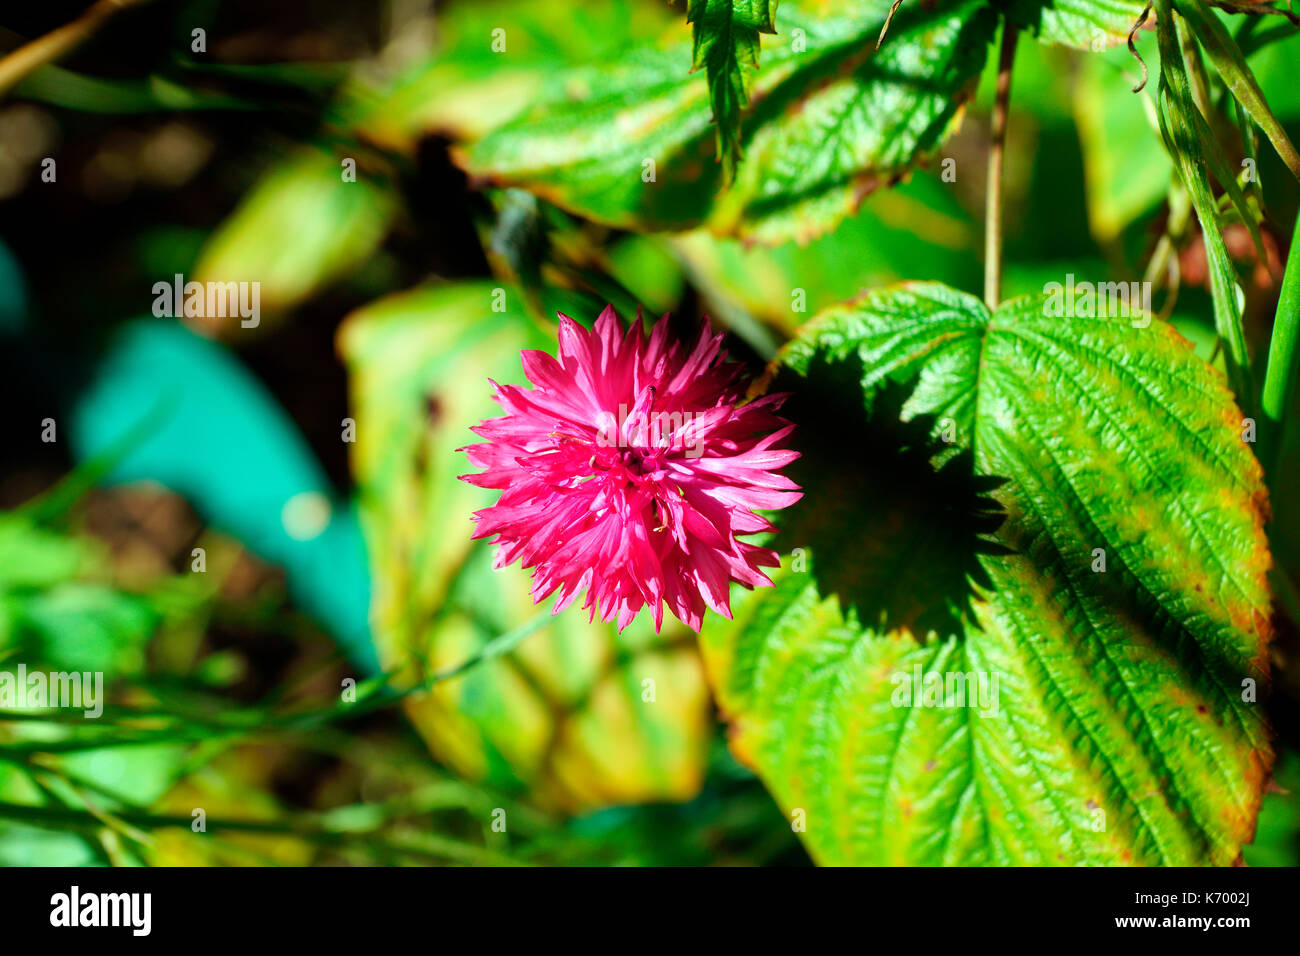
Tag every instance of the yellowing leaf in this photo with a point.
(576, 715)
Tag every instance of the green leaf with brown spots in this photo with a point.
(628, 142)
(1022, 616)
(576, 715)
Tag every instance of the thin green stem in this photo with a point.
(307, 827)
(1279, 378)
(997, 148)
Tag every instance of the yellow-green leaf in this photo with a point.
(576, 714)
(1055, 516)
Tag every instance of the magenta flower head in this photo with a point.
(630, 470)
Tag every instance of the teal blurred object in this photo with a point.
(164, 404)
(167, 405)
(13, 295)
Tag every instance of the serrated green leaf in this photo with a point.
(562, 716)
(1118, 730)
(726, 47)
(1092, 25)
(627, 143)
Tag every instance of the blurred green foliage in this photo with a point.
(224, 697)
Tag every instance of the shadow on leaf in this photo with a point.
(893, 520)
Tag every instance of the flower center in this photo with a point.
(639, 461)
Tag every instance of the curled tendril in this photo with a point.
(1132, 47)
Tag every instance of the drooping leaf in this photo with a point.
(627, 143)
(576, 714)
(726, 47)
(1081, 568)
(1232, 68)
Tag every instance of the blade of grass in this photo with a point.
(1206, 122)
(1231, 66)
(60, 42)
(1178, 126)
(1251, 148)
(306, 827)
(1279, 376)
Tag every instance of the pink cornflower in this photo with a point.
(630, 470)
